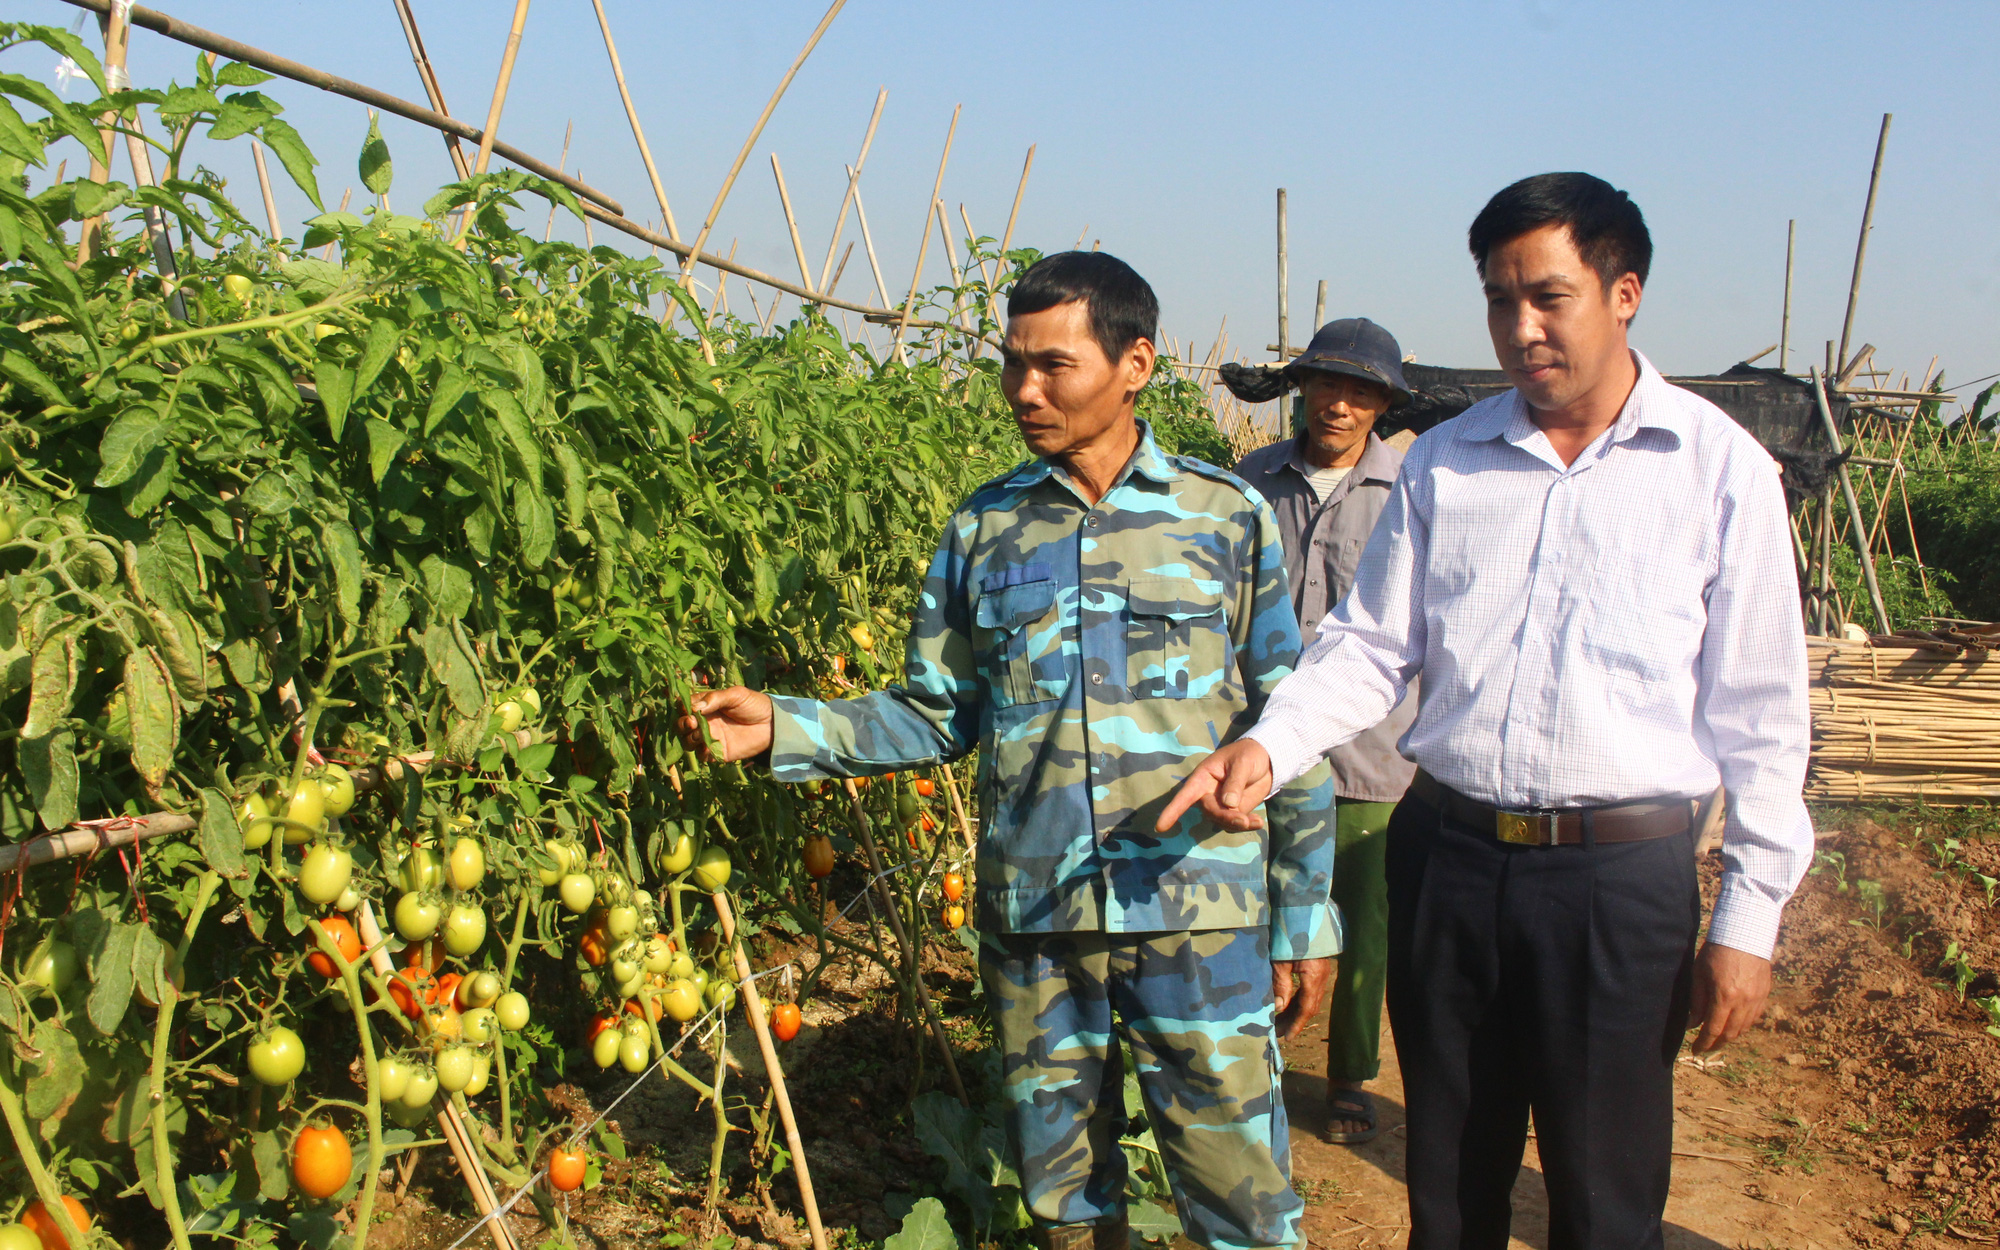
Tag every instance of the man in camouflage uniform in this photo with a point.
(1093, 622)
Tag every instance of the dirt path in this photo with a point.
(1865, 1111)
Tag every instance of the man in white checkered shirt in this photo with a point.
(1593, 573)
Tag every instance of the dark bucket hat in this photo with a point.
(1359, 348)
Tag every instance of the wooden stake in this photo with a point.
(632, 116)
(1785, 326)
(264, 185)
(958, 810)
(715, 209)
(1861, 244)
(1020, 189)
(841, 270)
(957, 274)
(500, 87)
(432, 90)
(753, 1007)
(1284, 295)
(549, 229)
(853, 184)
(936, 186)
(1853, 508)
(792, 223)
(1319, 307)
(868, 241)
(117, 31)
(720, 304)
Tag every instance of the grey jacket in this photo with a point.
(1323, 543)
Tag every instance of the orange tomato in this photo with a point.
(925, 786)
(428, 955)
(928, 824)
(632, 1008)
(443, 990)
(37, 1220)
(954, 915)
(594, 947)
(954, 887)
(410, 987)
(818, 855)
(345, 939)
(321, 1161)
(785, 1021)
(565, 1169)
(598, 1023)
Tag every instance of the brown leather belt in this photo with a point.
(1561, 826)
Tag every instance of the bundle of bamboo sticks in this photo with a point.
(1902, 717)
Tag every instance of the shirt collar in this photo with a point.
(1148, 461)
(1651, 405)
(1376, 463)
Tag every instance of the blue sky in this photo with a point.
(1163, 131)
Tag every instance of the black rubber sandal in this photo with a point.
(1351, 1106)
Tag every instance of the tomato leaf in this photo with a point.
(343, 557)
(336, 391)
(53, 682)
(26, 372)
(221, 840)
(514, 424)
(53, 1089)
(125, 444)
(111, 980)
(268, 1154)
(384, 441)
(451, 386)
(537, 522)
(381, 345)
(450, 667)
(155, 720)
(377, 171)
(298, 158)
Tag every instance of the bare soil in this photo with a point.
(1862, 1113)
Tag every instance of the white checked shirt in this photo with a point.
(1623, 628)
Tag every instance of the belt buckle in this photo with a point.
(1526, 828)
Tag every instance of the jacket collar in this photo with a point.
(1148, 461)
(1650, 406)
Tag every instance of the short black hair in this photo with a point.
(1123, 308)
(1606, 226)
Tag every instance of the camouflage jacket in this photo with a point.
(1094, 655)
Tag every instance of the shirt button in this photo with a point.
(1097, 679)
(1312, 581)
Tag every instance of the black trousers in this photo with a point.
(1551, 979)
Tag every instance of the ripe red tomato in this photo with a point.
(598, 1023)
(785, 1021)
(427, 955)
(345, 939)
(928, 824)
(321, 1161)
(443, 990)
(925, 786)
(37, 1220)
(565, 1169)
(954, 887)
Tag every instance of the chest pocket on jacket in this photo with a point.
(1177, 645)
(1018, 635)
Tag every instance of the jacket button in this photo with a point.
(1097, 679)
(1091, 522)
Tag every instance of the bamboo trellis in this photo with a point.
(1904, 718)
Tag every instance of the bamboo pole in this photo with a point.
(791, 223)
(957, 274)
(911, 961)
(1020, 189)
(549, 227)
(264, 185)
(923, 245)
(115, 25)
(753, 1007)
(1853, 508)
(720, 304)
(1284, 284)
(868, 241)
(326, 253)
(1785, 323)
(432, 91)
(1861, 244)
(632, 116)
(722, 194)
(853, 186)
(841, 269)
(958, 810)
(500, 87)
(141, 157)
(207, 40)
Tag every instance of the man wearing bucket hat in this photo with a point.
(1327, 485)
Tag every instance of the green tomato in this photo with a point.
(392, 1077)
(512, 1011)
(530, 702)
(406, 1116)
(6, 536)
(468, 864)
(578, 892)
(630, 987)
(699, 980)
(621, 921)
(422, 1087)
(454, 1068)
(277, 1056)
(613, 890)
(711, 871)
(483, 989)
(720, 994)
(659, 955)
(19, 1237)
(52, 965)
(682, 968)
(478, 1026)
(681, 999)
(605, 1049)
(678, 855)
(510, 714)
(464, 929)
(416, 917)
(254, 816)
(348, 900)
(325, 874)
(623, 970)
(238, 286)
(324, 330)
(305, 812)
(338, 785)
(420, 870)
(482, 1069)
(634, 1053)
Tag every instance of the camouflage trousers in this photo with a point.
(1196, 1010)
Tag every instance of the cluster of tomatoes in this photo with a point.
(38, 1229)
